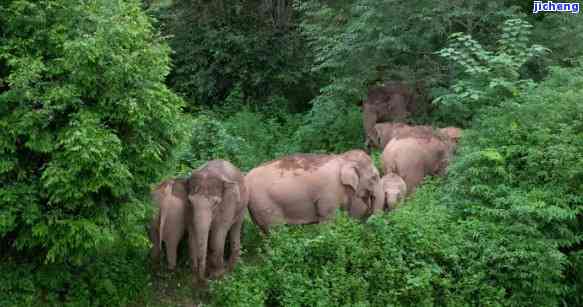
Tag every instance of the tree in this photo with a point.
(87, 125)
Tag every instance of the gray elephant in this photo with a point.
(414, 157)
(395, 190)
(218, 201)
(169, 225)
(393, 101)
(385, 132)
(308, 188)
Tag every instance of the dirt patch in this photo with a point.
(306, 162)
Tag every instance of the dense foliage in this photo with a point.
(521, 167)
(503, 229)
(89, 120)
(487, 77)
(231, 45)
(418, 256)
(87, 124)
(246, 138)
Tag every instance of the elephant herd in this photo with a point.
(208, 207)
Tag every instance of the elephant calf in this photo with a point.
(218, 199)
(395, 190)
(168, 225)
(308, 188)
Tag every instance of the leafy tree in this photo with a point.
(232, 45)
(521, 168)
(488, 77)
(362, 42)
(86, 125)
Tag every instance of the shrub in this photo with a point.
(419, 255)
(113, 278)
(487, 77)
(521, 166)
(245, 138)
(331, 127)
(86, 125)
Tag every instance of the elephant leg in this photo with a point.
(325, 209)
(192, 250)
(154, 238)
(235, 244)
(171, 252)
(217, 251)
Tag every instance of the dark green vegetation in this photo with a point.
(87, 125)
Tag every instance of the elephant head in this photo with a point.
(452, 133)
(215, 199)
(362, 180)
(394, 188)
(393, 101)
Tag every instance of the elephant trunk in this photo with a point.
(202, 222)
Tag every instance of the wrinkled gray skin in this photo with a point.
(218, 198)
(308, 188)
(395, 190)
(413, 158)
(393, 101)
(169, 225)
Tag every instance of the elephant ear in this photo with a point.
(231, 191)
(349, 175)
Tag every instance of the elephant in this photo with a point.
(309, 188)
(218, 199)
(169, 225)
(388, 131)
(385, 132)
(393, 101)
(453, 133)
(414, 157)
(395, 190)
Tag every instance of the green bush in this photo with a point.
(487, 77)
(222, 46)
(521, 167)
(418, 256)
(113, 278)
(244, 137)
(86, 125)
(331, 127)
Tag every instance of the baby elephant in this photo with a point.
(395, 190)
(168, 225)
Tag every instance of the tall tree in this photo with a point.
(86, 124)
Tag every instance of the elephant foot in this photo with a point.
(218, 273)
(199, 283)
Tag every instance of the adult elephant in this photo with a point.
(391, 102)
(217, 198)
(308, 188)
(169, 225)
(385, 132)
(413, 158)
